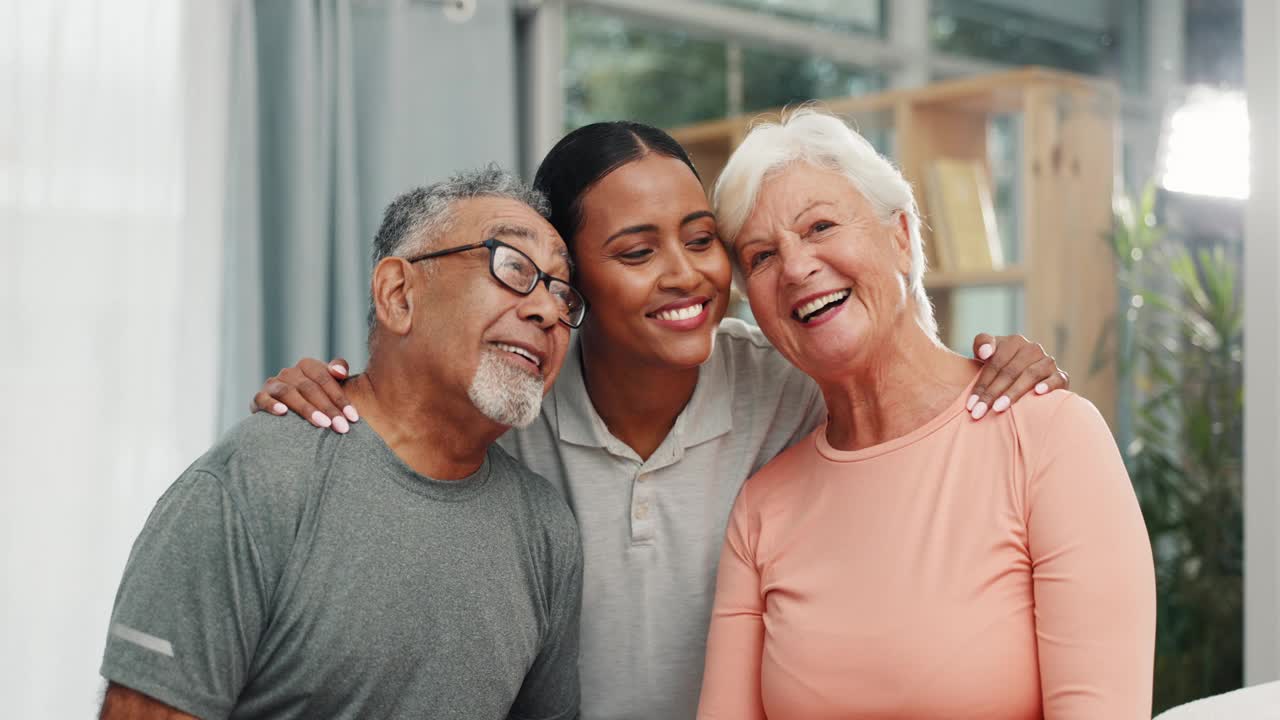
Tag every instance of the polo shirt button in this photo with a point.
(643, 477)
(642, 511)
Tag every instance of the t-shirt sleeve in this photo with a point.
(1092, 571)
(735, 642)
(192, 602)
(551, 687)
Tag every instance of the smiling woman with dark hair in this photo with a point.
(661, 412)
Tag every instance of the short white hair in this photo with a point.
(823, 140)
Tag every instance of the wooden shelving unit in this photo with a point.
(1066, 164)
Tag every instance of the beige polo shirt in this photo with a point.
(652, 530)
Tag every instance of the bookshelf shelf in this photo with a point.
(1062, 165)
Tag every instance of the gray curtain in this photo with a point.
(337, 106)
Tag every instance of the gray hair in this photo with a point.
(414, 221)
(822, 140)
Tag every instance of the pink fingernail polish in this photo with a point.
(1001, 404)
(985, 350)
(340, 424)
(279, 409)
(350, 412)
(338, 369)
(1042, 388)
(973, 400)
(979, 410)
(321, 419)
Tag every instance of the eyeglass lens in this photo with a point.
(519, 273)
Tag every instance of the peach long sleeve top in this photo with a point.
(995, 569)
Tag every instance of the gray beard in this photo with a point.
(504, 393)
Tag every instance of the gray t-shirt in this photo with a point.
(293, 572)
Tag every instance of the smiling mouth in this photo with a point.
(684, 313)
(537, 361)
(820, 305)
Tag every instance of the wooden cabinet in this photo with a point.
(1061, 130)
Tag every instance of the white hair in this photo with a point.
(505, 394)
(825, 141)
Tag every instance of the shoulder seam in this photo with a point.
(244, 522)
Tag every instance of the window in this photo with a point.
(771, 79)
(619, 69)
(616, 70)
(1093, 37)
(854, 15)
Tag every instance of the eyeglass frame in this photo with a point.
(540, 278)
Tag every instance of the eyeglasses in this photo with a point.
(520, 274)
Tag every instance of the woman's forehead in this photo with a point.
(789, 194)
(653, 182)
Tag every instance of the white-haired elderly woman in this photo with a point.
(901, 562)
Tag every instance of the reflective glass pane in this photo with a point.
(1091, 36)
(772, 79)
(616, 70)
(997, 309)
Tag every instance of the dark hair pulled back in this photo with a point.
(586, 155)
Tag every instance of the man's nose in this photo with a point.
(540, 307)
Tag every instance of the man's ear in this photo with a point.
(902, 242)
(393, 283)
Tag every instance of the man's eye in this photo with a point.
(636, 254)
(701, 241)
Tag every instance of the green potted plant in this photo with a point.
(1178, 346)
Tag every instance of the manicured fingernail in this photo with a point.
(985, 350)
(1001, 404)
(338, 369)
(279, 409)
(979, 410)
(321, 419)
(1042, 388)
(350, 412)
(340, 424)
(973, 400)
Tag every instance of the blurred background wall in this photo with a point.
(189, 190)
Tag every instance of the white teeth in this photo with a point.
(817, 304)
(521, 352)
(687, 313)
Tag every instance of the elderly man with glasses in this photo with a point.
(406, 568)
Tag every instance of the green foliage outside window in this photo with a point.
(1180, 346)
(996, 32)
(615, 69)
(773, 79)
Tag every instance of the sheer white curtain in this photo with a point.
(112, 127)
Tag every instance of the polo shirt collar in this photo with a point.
(708, 415)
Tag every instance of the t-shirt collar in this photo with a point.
(708, 415)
